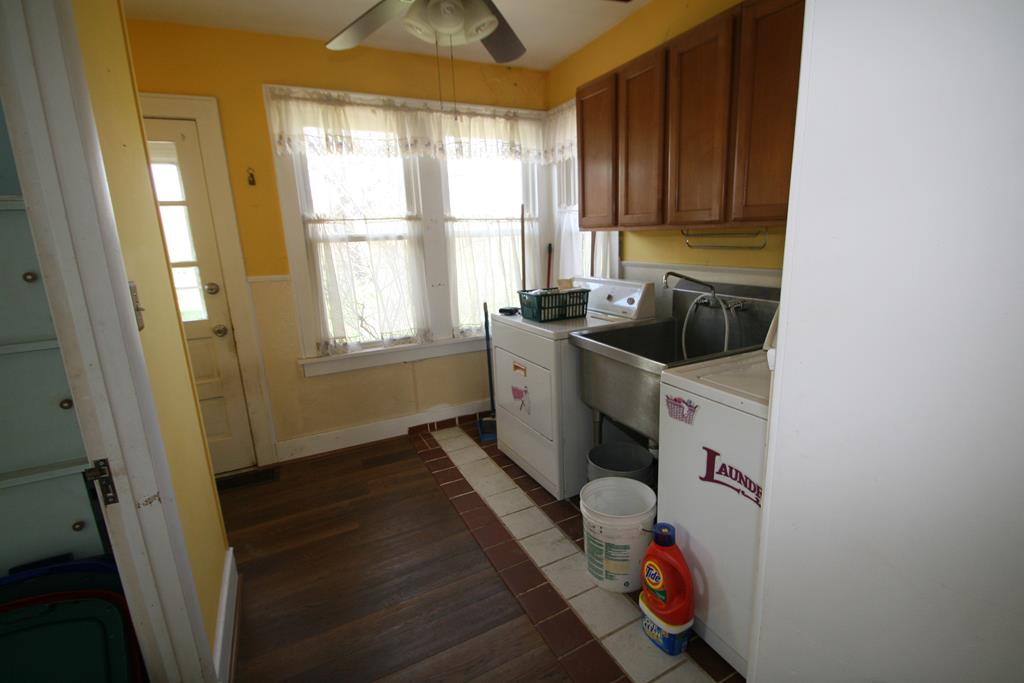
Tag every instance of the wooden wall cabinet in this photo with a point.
(597, 143)
(699, 93)
(641, 96)
(767, 79)
(706, 141)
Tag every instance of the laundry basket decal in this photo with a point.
(680, 408)
(522, 394)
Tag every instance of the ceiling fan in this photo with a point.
(444, 22)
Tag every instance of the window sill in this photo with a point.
(371, 358)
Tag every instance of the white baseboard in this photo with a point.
(324, 442)
(227, 622)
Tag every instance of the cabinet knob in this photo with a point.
(78, 526)
(66, 404)
(30, 276)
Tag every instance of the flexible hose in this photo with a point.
(689, 312)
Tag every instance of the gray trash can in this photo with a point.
(618, 459)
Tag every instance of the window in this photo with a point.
(402, 220)
(360, 230)
(485, 198)
(170, 196)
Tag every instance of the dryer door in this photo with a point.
(524, 390)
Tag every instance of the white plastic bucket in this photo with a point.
(618, 515)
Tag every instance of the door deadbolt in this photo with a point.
(220, 330)
(212, 288)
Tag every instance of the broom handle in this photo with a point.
(522, 239)
(487, 344)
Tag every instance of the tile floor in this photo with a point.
(535, 542)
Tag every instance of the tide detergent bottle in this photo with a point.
(667, 596)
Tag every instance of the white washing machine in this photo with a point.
(712, 432)
(543, 424)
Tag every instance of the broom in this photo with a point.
(488, 426)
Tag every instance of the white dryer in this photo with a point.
(543, 424)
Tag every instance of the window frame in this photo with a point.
(426, 178)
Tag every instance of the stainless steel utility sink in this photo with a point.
(621, 368)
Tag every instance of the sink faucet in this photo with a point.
(694, 280)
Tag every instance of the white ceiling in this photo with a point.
(551, 30)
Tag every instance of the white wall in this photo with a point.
(894, 523)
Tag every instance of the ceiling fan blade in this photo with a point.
(368, 22)
(503, 44)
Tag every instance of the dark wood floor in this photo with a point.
(356, 567)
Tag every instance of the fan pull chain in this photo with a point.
(451, 57)
(437, 60)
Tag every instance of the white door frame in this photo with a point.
(60, 167)
(204, 111)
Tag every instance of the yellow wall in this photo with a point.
(233, 66)
(103, 40)
(308, 405)
(647, 28)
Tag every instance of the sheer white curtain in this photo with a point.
(575, 250)
(485, 237)
(357, 162)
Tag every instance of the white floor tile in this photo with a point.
(478, 469)
(548, 546)
(490, 484)
(508, 501)
(464, 455)
(637, 655)
(687, 672)
(447, 434)
(603, 612)
(527, 522)
(457, 442)
(569, 575)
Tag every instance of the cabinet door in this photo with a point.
(641, 93)
(595, 122)
(769, 72)
(699, 92)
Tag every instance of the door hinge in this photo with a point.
(100, 472)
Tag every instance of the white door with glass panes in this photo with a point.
(181, 192)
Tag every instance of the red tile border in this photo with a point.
(526, 483)
(591, 664)
(467, 419)
(447, 476)
(522, 577)
(457, 488)
(541, 602)
(502, 460)
(437, 464)
(573, 527)
(478, 517)
(425, 427)
(564, 632)
(708, 659)
(505, 555)
(444, 424)
(468, 502)
(540, 496)
(514, 471)
(559, 510)
(432, 454)
(491, 534)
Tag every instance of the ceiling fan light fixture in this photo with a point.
(479, 21)
(417, 22)
(446, 16)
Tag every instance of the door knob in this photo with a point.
(220, 330)
(211, 287)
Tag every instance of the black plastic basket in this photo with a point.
(552, 304)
